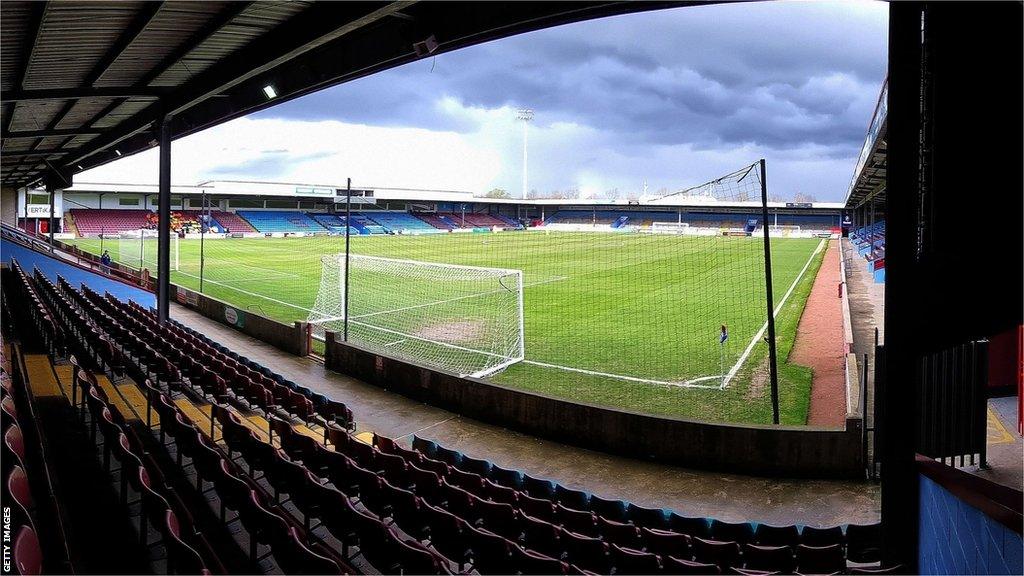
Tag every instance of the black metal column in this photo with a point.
(164, 226)
(772, 365)
(53, 219)
(900, 520)
(348, 227)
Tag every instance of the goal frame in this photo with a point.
(657, 227)
(141, 236)
(520, 355)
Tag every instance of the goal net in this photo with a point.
(138, 249)
(462, 319)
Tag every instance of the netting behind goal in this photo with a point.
(138, 249)
(462, 319)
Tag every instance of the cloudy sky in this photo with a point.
(671, 98)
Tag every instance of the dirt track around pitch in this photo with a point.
(819, 344)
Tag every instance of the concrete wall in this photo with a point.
(8, 198)
(291, 339)
(763, 450)
(959, 538)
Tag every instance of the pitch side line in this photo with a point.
(275, 300)
(686, 384)
(778, 308)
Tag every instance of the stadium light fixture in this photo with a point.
(524, 115)
(270, 91)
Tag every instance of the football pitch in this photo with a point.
(625, 320)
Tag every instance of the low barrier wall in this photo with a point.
(968, 525)
(800, 451)
(291, 339)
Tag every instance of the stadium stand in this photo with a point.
(582, 217)
(403, 222)
(618, 219)
(434, 220)
(510, 221)
(335, 224)
(91, 223)
(189, 414)
(231, 222)
(367, 226)
(280, 221)
(473, 220)
(870, 243)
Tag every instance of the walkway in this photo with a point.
(867, 313)
(692, 492)
(819, 344)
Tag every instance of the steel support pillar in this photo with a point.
(164, 224)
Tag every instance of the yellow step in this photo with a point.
(307, 431)
(135, 398)
(199, 415)
(259, 425)
(115, 398)
(65, 379)
(41, 378)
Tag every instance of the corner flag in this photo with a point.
(724, 336)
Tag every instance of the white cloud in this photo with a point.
(562, 155)
(325, 152)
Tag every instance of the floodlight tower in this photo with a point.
(525, 115)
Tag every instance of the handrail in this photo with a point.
(26, 240)
(1001, 503)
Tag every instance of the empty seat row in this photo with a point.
(426, 509)
(16, 491)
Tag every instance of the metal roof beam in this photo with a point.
(35, 24)
(202, 35)
(138, 24)
(130, 33)
(211, 27)
(54, 132)
(316, 26)
(82, 92)
(27, 153)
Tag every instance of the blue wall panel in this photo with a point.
(51, 267)
(957, 538)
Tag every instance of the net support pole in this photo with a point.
(204, 223)
(772, 365)
(163, 292)
(53, 217)
(348, 228)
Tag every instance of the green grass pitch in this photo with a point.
(637, 305)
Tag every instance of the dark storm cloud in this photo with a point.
(705, 76)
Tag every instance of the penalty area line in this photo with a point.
(276, 301)
(686, 384)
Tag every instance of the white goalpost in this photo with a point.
(669, 228)
(138, 249)
(462, 319)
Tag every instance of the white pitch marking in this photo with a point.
(276, 301)
(778, 308)
(466, 297)
(685, 384)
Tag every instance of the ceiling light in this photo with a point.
(116, 151)
(270, 92)
(80, 167)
